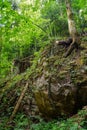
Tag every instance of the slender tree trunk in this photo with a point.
(72, 29)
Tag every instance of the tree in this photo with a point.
(72, 29)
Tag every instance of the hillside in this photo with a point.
(57, 86)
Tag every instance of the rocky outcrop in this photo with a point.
(60, 84)
(57, 85)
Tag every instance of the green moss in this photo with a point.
(43, 103)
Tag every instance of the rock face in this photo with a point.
(60, 84)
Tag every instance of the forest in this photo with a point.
(43, 65)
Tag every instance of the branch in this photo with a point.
(18, 102)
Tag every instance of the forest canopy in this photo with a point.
(26, 26)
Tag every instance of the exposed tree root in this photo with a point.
(70, 44)
(71, 48)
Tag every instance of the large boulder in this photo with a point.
(60, 84)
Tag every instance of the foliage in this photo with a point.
(79, 9)
(56, 125)
(57, 25)
(21, 122)
(76, 122)
(26, 29)
(25, 32)
(21, 35)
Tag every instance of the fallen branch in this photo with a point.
(18, 102)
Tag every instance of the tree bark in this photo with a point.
(72, 29)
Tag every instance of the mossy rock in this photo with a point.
(59, 92)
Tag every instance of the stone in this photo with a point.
(61, 89)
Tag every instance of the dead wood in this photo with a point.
(18, 102)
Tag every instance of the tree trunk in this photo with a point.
(72, 29)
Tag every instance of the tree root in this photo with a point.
(70, 49)
(70, 44)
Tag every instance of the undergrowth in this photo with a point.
(59, 125)
(23, 122)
